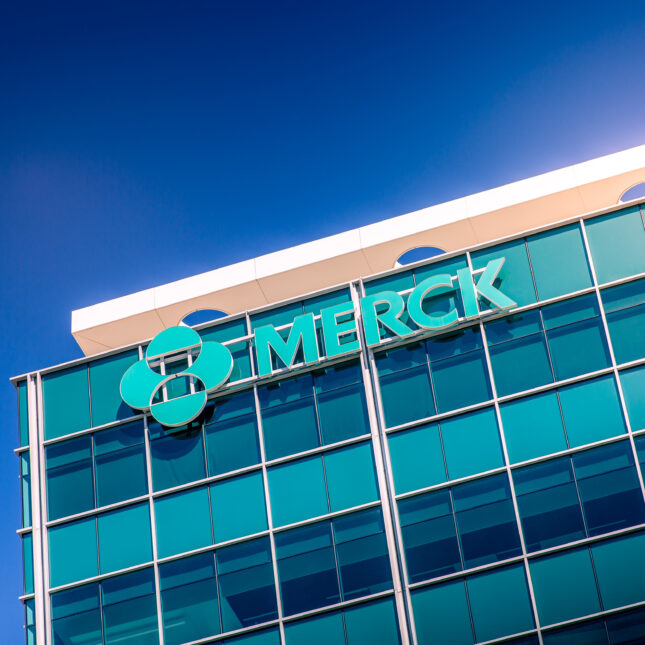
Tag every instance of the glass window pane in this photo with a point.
(592, 411)
(23, 414)
(177, 458)
(342, 413)
(406, 396)
(461, 381)
(264, 637)
(76, 617)
(625, 310)
(70, 487)
(441, 614)
(232, 434)
(324, 629)
(486, 520)
(120, 464)
(571, 273)
(548, 503)
(514, 279)
(626, 627)
(616, 241)
(533, 426)
(361, 551)
(288, 417)
(506, 588)
(592, 632)
(471, 443)
(528, 351)
(417, 458)
(189, 599)
(66, 401)
(578, 348)
(620, 568)
(351, 476)
(105, 379)
(609, 488)
(564, 586)
(28, 563)
(246, 584)
(298, 490)
(240, 351)
(124, 538)
(25, 489)
(444, 303)
(238, 507)
(633, 384)
(130, 609)
(429, 535)
(372, 622)
(307, 568)
(174, 513)
(72, 552)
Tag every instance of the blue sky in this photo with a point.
(142, 143)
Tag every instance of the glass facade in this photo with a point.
(480, 484)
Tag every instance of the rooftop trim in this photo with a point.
(468, 221)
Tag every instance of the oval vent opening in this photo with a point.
(202, 316)
(418, 254)
(635, 192)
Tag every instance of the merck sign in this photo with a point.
(143, 384)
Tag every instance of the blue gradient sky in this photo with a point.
(144, 144)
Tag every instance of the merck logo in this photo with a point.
(201, 367)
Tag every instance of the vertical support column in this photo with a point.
(385, 489)
(38, 506)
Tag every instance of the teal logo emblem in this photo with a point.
(147, 385)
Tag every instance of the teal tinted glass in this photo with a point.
(372, 622)
(417, 458)
(289, 423)
(443, 304)
(23, 414)
(513, 341)
(620, 568)
(264, 637)
(617, 241)
(506, 588)
(576, 337)
(70, 485)
(441, 614)
(25, 489)
(591, 411)
(559, 261)
(120, 464)
(351, 476)
(396, 282)
(174, 513)
(130, 609)
(406, 396)
(66, 401)
(105, 378)
(633, 384)
(189, 599)
(625, 310)
(246, 584)
(319, 630)
(514, 279)
(340, 397)
(124, 538)
(459, 370)
(231, 434)
(238, 507)
(564, 586)
(298, 490)
(72, 552)
(76, 616)
(28, 563)
(471, 443)
(177, 457)
(533, 426)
